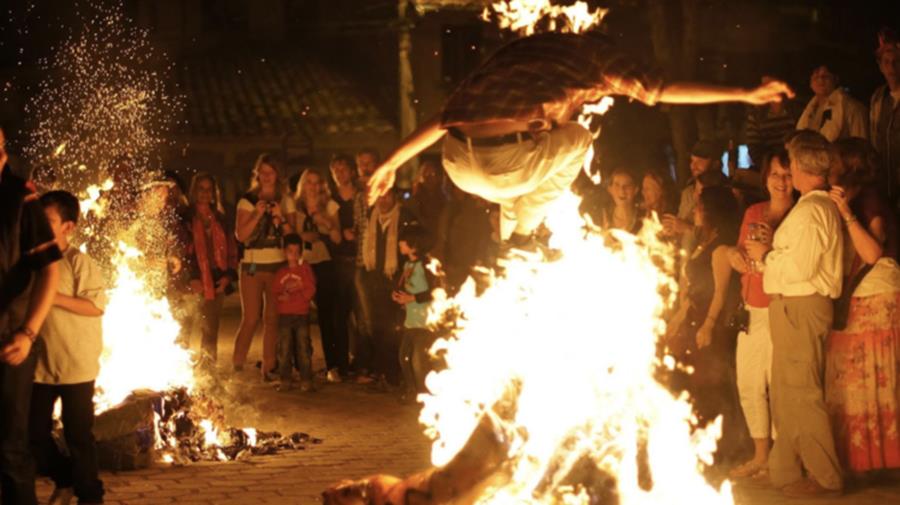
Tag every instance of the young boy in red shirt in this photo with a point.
(292, 290)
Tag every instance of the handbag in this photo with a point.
(740, 318)
(740, 315)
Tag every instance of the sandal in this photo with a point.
(758, 480)
(748, 469)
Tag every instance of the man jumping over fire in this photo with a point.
(508, 131)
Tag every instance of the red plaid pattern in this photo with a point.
(529, 77)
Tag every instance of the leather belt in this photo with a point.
(499, 140)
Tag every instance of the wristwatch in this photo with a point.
(28, 332)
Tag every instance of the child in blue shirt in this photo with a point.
(415, 286)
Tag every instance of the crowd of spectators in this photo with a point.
(367, 296)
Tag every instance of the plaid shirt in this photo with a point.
(545, 77)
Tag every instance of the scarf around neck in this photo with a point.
(389, 222)
(219, 249)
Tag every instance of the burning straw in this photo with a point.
(102, 119)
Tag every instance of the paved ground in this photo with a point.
(363, 432)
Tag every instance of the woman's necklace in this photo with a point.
(620, 220)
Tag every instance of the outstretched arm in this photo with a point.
(383, 178)
(698, 93)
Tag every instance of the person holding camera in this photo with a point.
(211, 254)
(264, 216)
(754, 342)
(318, 224)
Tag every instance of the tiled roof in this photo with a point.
(423, 6)
(272, 95)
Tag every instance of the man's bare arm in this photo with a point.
(383, 178)
(80, 306)
(42, 294)
(699, 93)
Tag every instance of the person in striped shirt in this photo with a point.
(508, 129)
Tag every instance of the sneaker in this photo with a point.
(333, 376)
(746, 470)
(62, 496)
(307, 387)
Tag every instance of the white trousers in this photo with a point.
(522, 177)
(754, 372)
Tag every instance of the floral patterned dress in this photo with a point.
(862, 387)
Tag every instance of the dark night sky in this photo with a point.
(739, 40)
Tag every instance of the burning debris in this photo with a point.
(179, 427)
(187, 432)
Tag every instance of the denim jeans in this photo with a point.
(79, 468)
(294, 346)
(415, 362)
(16, 464)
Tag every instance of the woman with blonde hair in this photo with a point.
(264, 216)
(319, 226)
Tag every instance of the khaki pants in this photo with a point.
(800, 326)
(523, 177)
(255, 302)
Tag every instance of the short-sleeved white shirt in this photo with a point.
(73, 341)
(266, 255)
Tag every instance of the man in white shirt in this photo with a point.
(802, 275)
(832, 111)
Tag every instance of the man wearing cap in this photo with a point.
(511, 139)
(705, 156)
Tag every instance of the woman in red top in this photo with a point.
(211, 253)
(754, 347)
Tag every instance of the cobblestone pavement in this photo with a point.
(363, 433)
